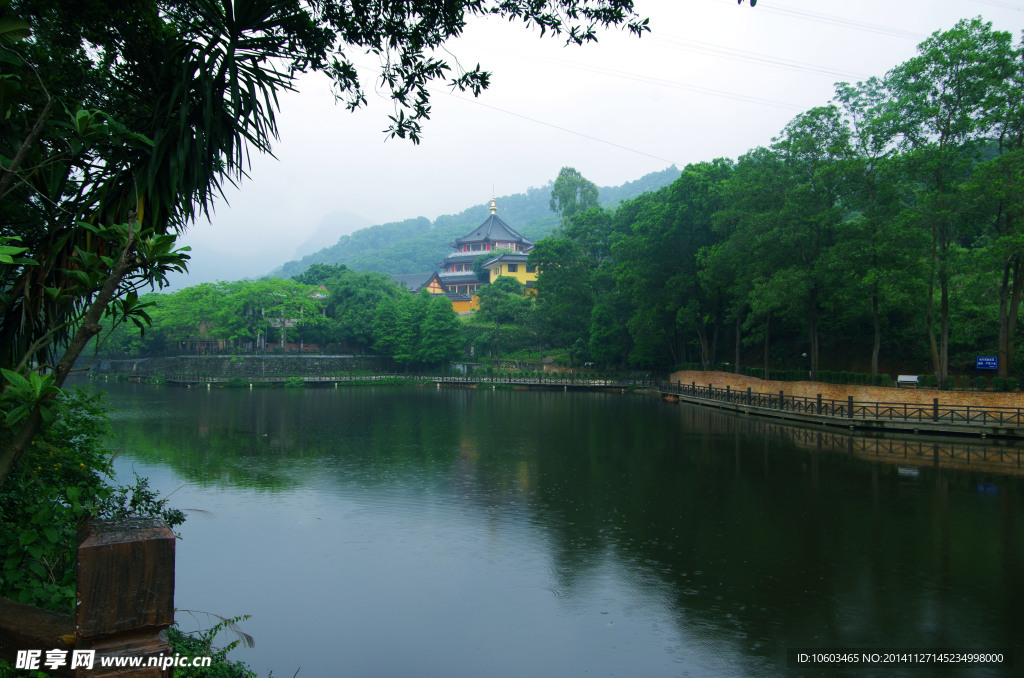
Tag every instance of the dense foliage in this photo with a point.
(882, 226)
(64, 478)
(326, 309)
(122, 122)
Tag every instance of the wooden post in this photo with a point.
(935, 409)
(782, 400)
(125, 592)
(819, 403)
(849, 406)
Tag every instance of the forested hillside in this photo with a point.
(417, 245)
(881, 230)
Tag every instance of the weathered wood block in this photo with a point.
(23, 627)
(125, 590)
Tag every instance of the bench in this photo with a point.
(906, 379)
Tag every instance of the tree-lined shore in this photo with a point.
(880, 231)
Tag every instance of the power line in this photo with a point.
(590, 137)
(1002, 5)
(636, 77)
(754, 57)
(820, 17)
(557, 127)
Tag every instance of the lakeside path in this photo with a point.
(877, 394)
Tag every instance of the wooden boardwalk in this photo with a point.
(932, 418)
(564, 382)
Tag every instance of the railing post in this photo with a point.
(782, 400)
(849, 406)
(728, 394)
(819, 403)
(750, 396)
(125, 592)
(935, 409)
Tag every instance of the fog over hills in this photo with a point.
(417, 245)
(334, 225)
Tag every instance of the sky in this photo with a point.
(713, 78)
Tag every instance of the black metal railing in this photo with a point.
(934, 412)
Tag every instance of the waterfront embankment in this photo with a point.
(971, 413)
(877, 394)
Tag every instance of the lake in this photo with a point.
(452, 532)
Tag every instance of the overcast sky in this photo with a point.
(711, 79)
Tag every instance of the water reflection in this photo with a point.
(464, 532)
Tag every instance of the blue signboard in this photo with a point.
(986, 362)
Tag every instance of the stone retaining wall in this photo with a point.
(246, 367)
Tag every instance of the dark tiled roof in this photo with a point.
(514, 257)
(493, 230)
(460, 279)
(413, 281)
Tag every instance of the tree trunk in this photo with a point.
(944, 337)
(88, 328)
(876, 347)
(739, 342)
(929, 315)
(1016, 296)
(713, 356)
(1004, 320)
(812, 331)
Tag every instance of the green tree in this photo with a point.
(442, 336)
(411, 317)
(352, 299)
(671, 307)
(944, 97)
(995, 193)
(502, 303)
(123, 121)
(572, 193)
(878, 250)
(385, 326)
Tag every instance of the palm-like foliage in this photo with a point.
(124, 120)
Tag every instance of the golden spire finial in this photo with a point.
(493, 208)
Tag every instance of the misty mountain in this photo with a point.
(418, 245)
(334, 225)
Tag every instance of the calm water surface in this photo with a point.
(423, 532)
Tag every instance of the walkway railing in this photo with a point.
(909, 413)
(512, 379)
(125, 585)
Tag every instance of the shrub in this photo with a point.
(1011, 383)
(998, 384)
(980, 383)
(200, 644)
(295, 382)
(62, 479)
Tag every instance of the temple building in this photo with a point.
(508, 249)
(494, 236)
